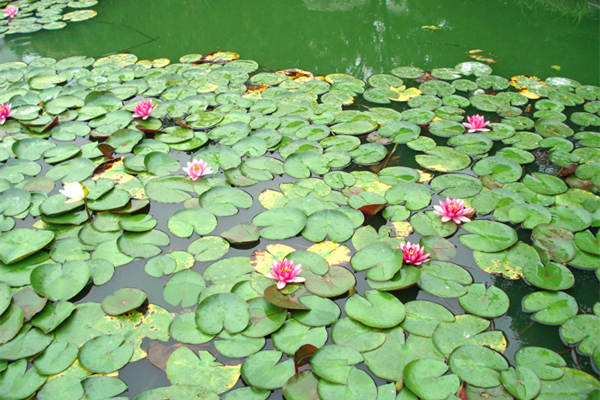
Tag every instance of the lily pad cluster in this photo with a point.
(36, 15)
(308, 168)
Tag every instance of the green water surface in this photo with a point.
(359, 37)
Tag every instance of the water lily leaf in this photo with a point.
(310, 261)
(400, 131)
(74, 170)
(443, 159)
(202, 371)
(123, 300)
(105, 354)
(60, 282)
(109, 251)
(18, 382)
(531, 215)
(290, 301)
(510, 262)
(19, 244)
(582, 330)
(208, 248)
(322, 311)
(143, 244)
(62, 387)
(225, 201)
(377, 310)
(571, 218)
(98, 387)
(333, 224)
(27, 300)
(574, 384)
(488, 236)
(404, 278)
(184, 223)
(555, 241)
(422, 317)
(169, 189)
(14, 201)
(262, 370)
(501, 169)
(544, 183)
(334, 363)
(551, 276)
(337, 281)
(183, 329)
(477, 365)
(466, 329)
(544, 362)
(381, 261)
(265, 318)
(351, 333)
(587, 242)
(238, 345)
(56, 358)
(359, 386)
(112, 200)
(302, 386)
(490, 302)
(413, 195)
(439, 248)
(551, 308)
(521, 382)
(281, 223)
(5, 297)
(430, 224)
(444, 279)
(293, 335)
(456, 185)
(222, 311)
(11, 322)
(426, 379)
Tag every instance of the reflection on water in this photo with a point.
(359, 37)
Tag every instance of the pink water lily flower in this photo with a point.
(143, 109)
(197, 168)
(413, 253)
(11, 11)
(4, 113)
(477, 123)
(285, 272)
(453, 210)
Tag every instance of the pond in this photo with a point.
(123, 275)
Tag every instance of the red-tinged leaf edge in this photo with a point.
(371, 209)
(107, 150)
(51, 125)
(302, 355)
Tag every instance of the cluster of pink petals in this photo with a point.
(11, 11)
(453, 210)
(143, 109)
(197, 168)
(4, 112)
(477, 123)
(413, 253)
(285, 272)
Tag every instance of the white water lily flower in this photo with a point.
(75, 192)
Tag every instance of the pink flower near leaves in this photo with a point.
(477, 123)
(413, 253)
(4, 112)
(143, 109)
(197, 168)
(453, 210)
(11, 11)
(285, 272)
